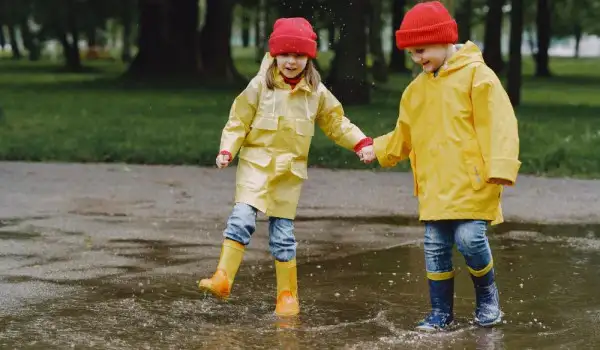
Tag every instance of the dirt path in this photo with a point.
(203, 193)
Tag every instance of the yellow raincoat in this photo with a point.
(272, 130)
(459, 130)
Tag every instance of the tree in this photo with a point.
(215, 38)
(348, 76)
(246, 24)
(515, 61)
(2, 37)
(10, 13)
(542, 57)
(398, 57)
(492, 46)
(168, 38)
(379, 69)
(14, 44)
(576, 18)
(464, 14)
(127, 9)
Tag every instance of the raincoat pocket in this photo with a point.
(474, 163)
(305, 127)
(258, 156)
(413, 165)
(299, 168)
(265, 123)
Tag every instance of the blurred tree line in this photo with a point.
(192, 38)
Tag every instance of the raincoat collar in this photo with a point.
(465, 54)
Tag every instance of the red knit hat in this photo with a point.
(293, 35)
(427, 23)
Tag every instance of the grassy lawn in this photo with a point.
(91, 117)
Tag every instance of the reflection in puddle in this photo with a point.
(548, 283)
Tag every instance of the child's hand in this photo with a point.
(223, 159)
(497, 181)
(367, 154)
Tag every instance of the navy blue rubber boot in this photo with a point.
(487, 310)
(441, 294)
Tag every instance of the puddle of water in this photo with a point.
(549, 287)
(17, 235)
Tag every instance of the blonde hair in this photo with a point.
(311, 74)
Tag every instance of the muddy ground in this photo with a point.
(69, 230)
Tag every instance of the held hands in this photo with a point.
(366, 154)
(223, 160)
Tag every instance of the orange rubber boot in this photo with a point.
(287, 288)
(222, 280)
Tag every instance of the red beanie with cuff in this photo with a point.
(427, 23)
(293, 35)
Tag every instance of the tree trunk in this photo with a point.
(30, 41)
(348, 77)
(2, 37)
(14, 44)
(464, 15)
(331, 35)
(72, 57)
(264, 24)
(127, 18)
(492, 47)
(398, 57)
(245, 27)
(542, 58)
(91, 35)
(378, 69)
(168, 39)
(515, 62)
(257, 38)
(578, 33)
(215, 46)
(531, 41)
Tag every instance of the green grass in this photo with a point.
(50, 115)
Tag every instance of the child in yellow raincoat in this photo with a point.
(271, 124)
(458, 128)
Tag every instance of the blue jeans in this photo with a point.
(242, 224)
(471, 241)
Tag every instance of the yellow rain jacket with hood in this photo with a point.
(459, 130)
(272, 131)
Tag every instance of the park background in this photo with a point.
(152, 81)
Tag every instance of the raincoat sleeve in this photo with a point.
(395, 146)
(495, 126)
(338, 128)
(240, 117)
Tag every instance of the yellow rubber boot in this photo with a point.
(287, 288)
(221, 282)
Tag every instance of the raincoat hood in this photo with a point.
(265, 64)
(465, 55)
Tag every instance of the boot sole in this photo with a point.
(213, 293)
(431, 329)
(495, 322)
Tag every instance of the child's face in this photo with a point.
(291, 65)
(430, 57)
